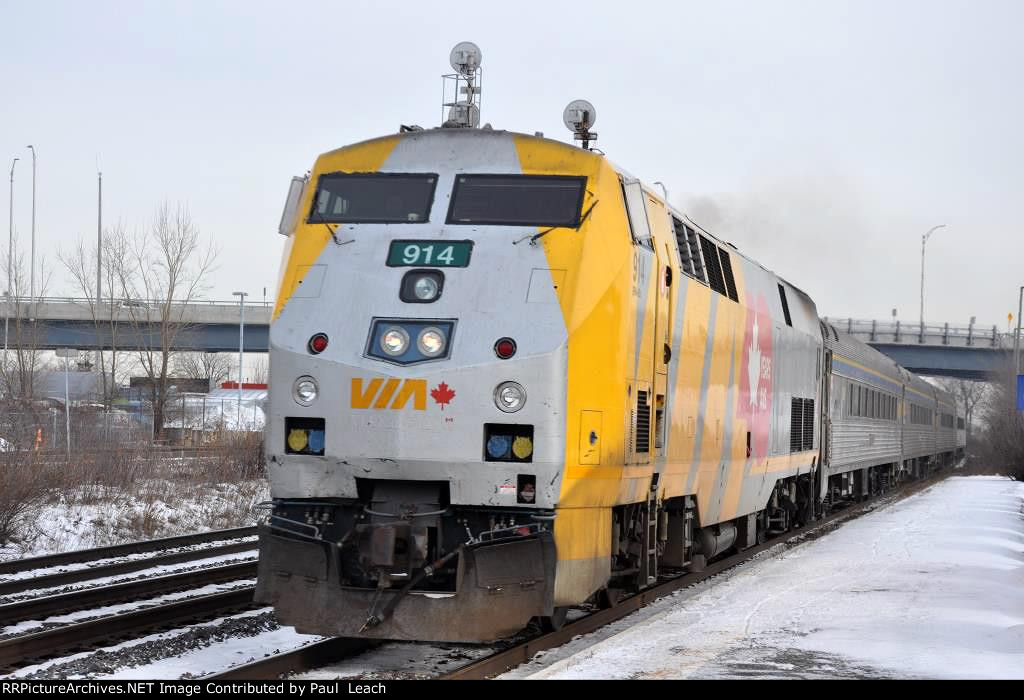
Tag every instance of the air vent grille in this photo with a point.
(643, 423)
(801, 425)
(730, 281)
(714, 267)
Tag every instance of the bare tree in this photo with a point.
(104, 311)
(259, 370)
(969, 394)
(163, 268)
(20, 369)
(216, 367)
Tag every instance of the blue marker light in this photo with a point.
(316, 441)
(498, 446)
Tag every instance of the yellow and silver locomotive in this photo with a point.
(508, 378)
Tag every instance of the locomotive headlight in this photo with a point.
(421, 286)
(425, 288)
(394, 341)
(431, 342)
(509, 397)
(304, 391)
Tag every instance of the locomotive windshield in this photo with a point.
(517, 200)
(373, 198)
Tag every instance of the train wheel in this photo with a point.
(556, 621)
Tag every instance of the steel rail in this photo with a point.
(93, 572)
(503, 661)
(20, 651)
(117, 550)
(40, 608)
(310, 656)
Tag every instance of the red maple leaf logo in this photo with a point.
(442, 394)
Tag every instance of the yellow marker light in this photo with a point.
(522, 447)
(298, 439)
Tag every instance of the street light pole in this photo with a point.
(1016, 336)
(67, 410)
(241, 347)
(32, 257)
(10, 256)
(924, 239)
(99, 263)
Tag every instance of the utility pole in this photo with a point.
(10, 257)
(99, 265)
(1016, 336)
(241, 344)
(924, 239)
(66, 353)
(32, 257)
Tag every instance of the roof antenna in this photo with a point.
(578, 117)
(463, 104)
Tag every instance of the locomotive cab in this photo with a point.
(418, 388)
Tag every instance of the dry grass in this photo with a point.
(50, 501)
(24, 485)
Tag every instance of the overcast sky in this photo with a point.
(822, 138)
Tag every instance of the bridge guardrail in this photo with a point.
(928, 334)
(133, 302)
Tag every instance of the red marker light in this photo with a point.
(318, 343)
(505, 348)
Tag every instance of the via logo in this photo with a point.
(396, 394)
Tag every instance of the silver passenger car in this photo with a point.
(865, 391)
(881, 414)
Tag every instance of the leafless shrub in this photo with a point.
(24, 484)
(1001, 444)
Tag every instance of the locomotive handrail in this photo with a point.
(316, 536)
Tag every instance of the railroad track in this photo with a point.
(28, 649)
(46, 606)
(21, 650)
(319, 654)
(118, 550)
(62, 578)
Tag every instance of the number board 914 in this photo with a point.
(429, 253)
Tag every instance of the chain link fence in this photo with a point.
(188, 421)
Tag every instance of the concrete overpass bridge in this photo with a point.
(63, 322)
(964, 352)
(967, 352)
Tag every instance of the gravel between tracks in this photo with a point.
(136, 658)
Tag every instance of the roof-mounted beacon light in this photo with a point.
(578, 117)
(461, 90)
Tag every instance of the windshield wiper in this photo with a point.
(537, 236)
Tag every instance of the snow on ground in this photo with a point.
(220, 655)
(186, 652)
(931, 586)
(73, 521)
(401, 661)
